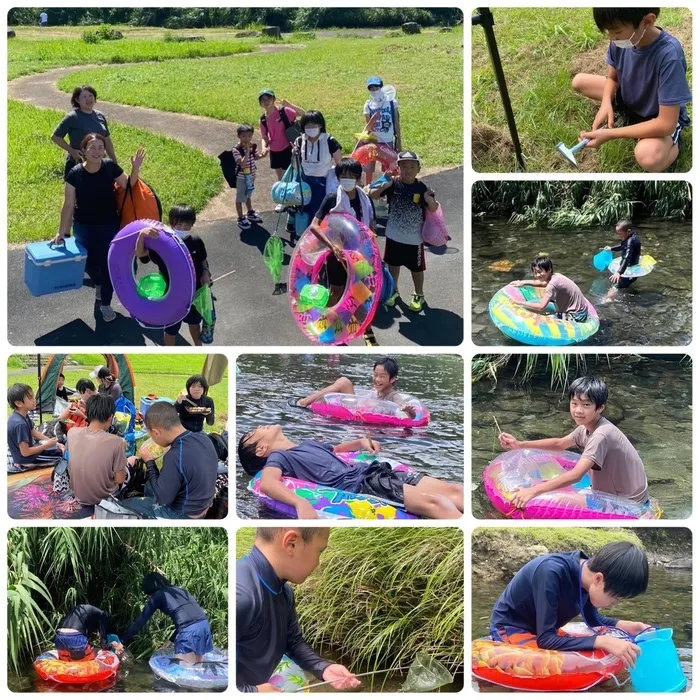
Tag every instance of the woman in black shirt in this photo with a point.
(194, 406)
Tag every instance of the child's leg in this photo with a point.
(195, 332)
(429, 505)
(280, 173)
(339, 386)
(336, 295)
(589, 85)
(418, 278)
(657, 154)
(190, 658)
(249, 204)
(239, 209)
(394, 270)
(369, 170)
(453, 491)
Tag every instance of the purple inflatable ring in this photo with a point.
(174, 306)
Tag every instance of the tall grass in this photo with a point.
(52, 569)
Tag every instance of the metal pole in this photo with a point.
(485, 19)
(38, 391)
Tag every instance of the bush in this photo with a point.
(91, 37)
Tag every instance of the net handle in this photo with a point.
(357, 675)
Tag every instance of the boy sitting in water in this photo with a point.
(553, 589)
(560, 290)
(267, 626)
(72, 639)
(267, 448)
(646, 83)
(615, 465)
(386, 371)
(631, 250)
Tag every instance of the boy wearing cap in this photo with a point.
(408, 199)
(381, 119)
(273, 126)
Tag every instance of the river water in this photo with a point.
(667, 603)
(656, 310)
(266, 382)
(649, 400)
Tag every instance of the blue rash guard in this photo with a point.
(87, 619)
(542, 597)
(177, 603)
(267, 626)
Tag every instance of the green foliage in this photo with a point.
(103, 33)
(52, 569)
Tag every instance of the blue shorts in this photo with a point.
(194, 639)
(73, 644)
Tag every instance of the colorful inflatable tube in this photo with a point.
(175, 304)
(525, 468)
(349, 318)
(364, 407)
(289, 677)
(104, 666)
(532, 327)
(377, 153)
(523, 666)
(334, 504)
(644, 267)
(210, 674)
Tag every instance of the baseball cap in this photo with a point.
(375, 80)
(408, 155)
(266, 91)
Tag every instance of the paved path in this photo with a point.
(248, 313)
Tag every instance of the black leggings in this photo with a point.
(96, 239)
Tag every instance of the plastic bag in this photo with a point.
(434, 231)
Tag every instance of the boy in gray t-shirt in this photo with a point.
(646, 85)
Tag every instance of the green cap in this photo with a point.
(266, 91)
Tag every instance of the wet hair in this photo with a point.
(624, 567)
(595, 389)
(18, 392)
(313, 117)
(162, 416)
(104, 373)
(389, 364)
(244, 129)
(268, 534)
(197, 379)
(615, 17)
(625, 225)
(100, 408)
(250, 462)
(542, 264)
(154, 581)
(181, 214)
(349, 166)
(76, 94)
(83, 385)
(92, 137)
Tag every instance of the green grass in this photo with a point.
(151, 364)
(555, 539)
(538, 47)
(179, 174)
(328, 75)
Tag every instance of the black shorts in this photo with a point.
(625, 282)
(398, 254)
(625, 116)
(193, 318)
(281, 159)
(382, 481)
(336, 274)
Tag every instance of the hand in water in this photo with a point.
(409, 410)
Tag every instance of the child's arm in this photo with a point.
(271, 485)
(606, 113)
(315, 228)
(656, 128)
(300, 112)
(206, 274)
(27, 451)
(429, 197)
(363, 444)
(535, 305)
(141, 250)
(528, 283)
(210, 415)
(379, 191)
(508, 442)
(397, 131)
(524, 495)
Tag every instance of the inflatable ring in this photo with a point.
(524, 666)
(525, 468)
(49, 667)
(211, 674)
(643, 267)
(533, 328)
(333, 503)
(175, 305)
(377, 153)
(288, 677)
(349, 318)
(364, 407)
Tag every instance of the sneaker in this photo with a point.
(391, 301)
(243, 222)
(417, 301)
(108, 313)
(254, 217)
(370, 339)
(98, 294)
(279, 208)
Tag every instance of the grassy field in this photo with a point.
(35, 171)
(541, 50)
(153, 375)
(328, 75)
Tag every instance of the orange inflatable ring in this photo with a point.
(49, 667)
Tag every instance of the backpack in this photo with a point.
(139, 201)
(229, 167)
(123, 405)
(291, 130)
(220, 445)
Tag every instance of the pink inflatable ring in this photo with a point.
(176, 303)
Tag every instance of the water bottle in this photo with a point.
(130, 444)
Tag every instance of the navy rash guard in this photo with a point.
(177, 603)
(542, 597)
(631, 249)
(267, 626)
(87, 619)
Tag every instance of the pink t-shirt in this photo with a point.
(276, 137)
(565, 295)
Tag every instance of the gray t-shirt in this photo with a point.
(114, 390)
(652, 76)
(618, 467)
(565, 295)
(78, 124)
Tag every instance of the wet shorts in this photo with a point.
(382, 481)
(412, 257)
(73, 646)
(194, 639)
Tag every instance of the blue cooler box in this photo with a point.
(51, 268)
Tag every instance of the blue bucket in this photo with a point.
(658, 668)
(602, 259)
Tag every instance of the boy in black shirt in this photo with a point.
(631, 249)
(72, 639)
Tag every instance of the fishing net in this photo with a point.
(425, 674)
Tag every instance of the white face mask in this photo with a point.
(348, 184)
(628, 43)
(180, 234)
(376, 95)
(313, 132)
